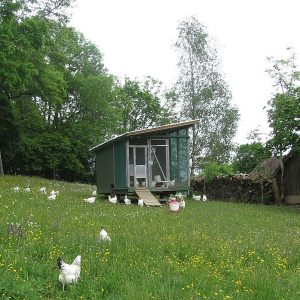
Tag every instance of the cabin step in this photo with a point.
(147, 196)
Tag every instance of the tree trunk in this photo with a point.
(276, 189)
(1, 166)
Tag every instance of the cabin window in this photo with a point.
(179, 161)
(183, 161)
(174, 159)
(183, 131)
(137, 142)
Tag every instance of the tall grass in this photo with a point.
(209, 250)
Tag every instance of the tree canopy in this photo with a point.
(284, 107)
(57, 99)
(204, 95)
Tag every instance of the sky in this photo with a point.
(136, 38)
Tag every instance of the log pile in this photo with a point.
(251, 188)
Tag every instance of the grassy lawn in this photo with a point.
(209, 250)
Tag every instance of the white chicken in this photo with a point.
(52, 197)
(204, 198)
(182, 203)
(172, 182)
(69, 273)
(141, 202)
(197, 198)
(15, 189)
(27, 190)
(112, 200)
(90, 200)
(54, 193)
(103, 235)
(127, 201)
(43, 190)
(94, 193)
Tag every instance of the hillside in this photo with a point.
(210, 250)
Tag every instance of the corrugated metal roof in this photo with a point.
(146, 131)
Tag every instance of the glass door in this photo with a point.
(159, 163)
(138, 166)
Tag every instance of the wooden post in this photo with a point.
(1, 166)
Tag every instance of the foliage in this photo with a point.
(248, 156)
(56, 98)
(284, 107)
(141, 105)
(212, 250)
(212, 169)
(204, 95)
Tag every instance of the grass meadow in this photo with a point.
(209, 250)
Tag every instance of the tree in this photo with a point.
(141, 105)
(25, 71)
(248, 156)
(284, 107)
(204, 95)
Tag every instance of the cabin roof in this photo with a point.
(146, 131)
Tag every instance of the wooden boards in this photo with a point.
(147, 196)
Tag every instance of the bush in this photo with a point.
(212, 170)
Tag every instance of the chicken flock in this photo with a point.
(70, 273)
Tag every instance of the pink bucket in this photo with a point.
(174, 206)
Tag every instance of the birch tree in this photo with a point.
(204, 95)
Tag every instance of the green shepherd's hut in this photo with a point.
(142, 162)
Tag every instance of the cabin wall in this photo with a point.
(120, 165)
(292, 180)
(105, 169)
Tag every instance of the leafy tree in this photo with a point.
(204, 95)
(212, 169)
(25, 71)
(284, 107)
(141, 105)
(248, 156)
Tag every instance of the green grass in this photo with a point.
(210, 250)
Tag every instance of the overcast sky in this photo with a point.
(136, 38)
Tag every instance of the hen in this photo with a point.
(104, 235)
(141, 202)
(69, 273)
(182, 203)
(112, 200)
(90, 200)
(127, 201)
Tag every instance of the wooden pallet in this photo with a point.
(147, 196)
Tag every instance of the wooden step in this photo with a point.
(147, 196)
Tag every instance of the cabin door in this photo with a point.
(159, 171)
(138, 170)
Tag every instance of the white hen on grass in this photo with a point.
(104, 235)
(90, 200)
(69, 273)
(43, 190)
(140, 202)
(182, 203)
(112, 200)
(52, 197)
(127, 201)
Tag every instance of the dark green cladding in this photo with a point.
(120, 165)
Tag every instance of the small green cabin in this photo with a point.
(156, 159)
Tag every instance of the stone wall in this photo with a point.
(250, 188)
